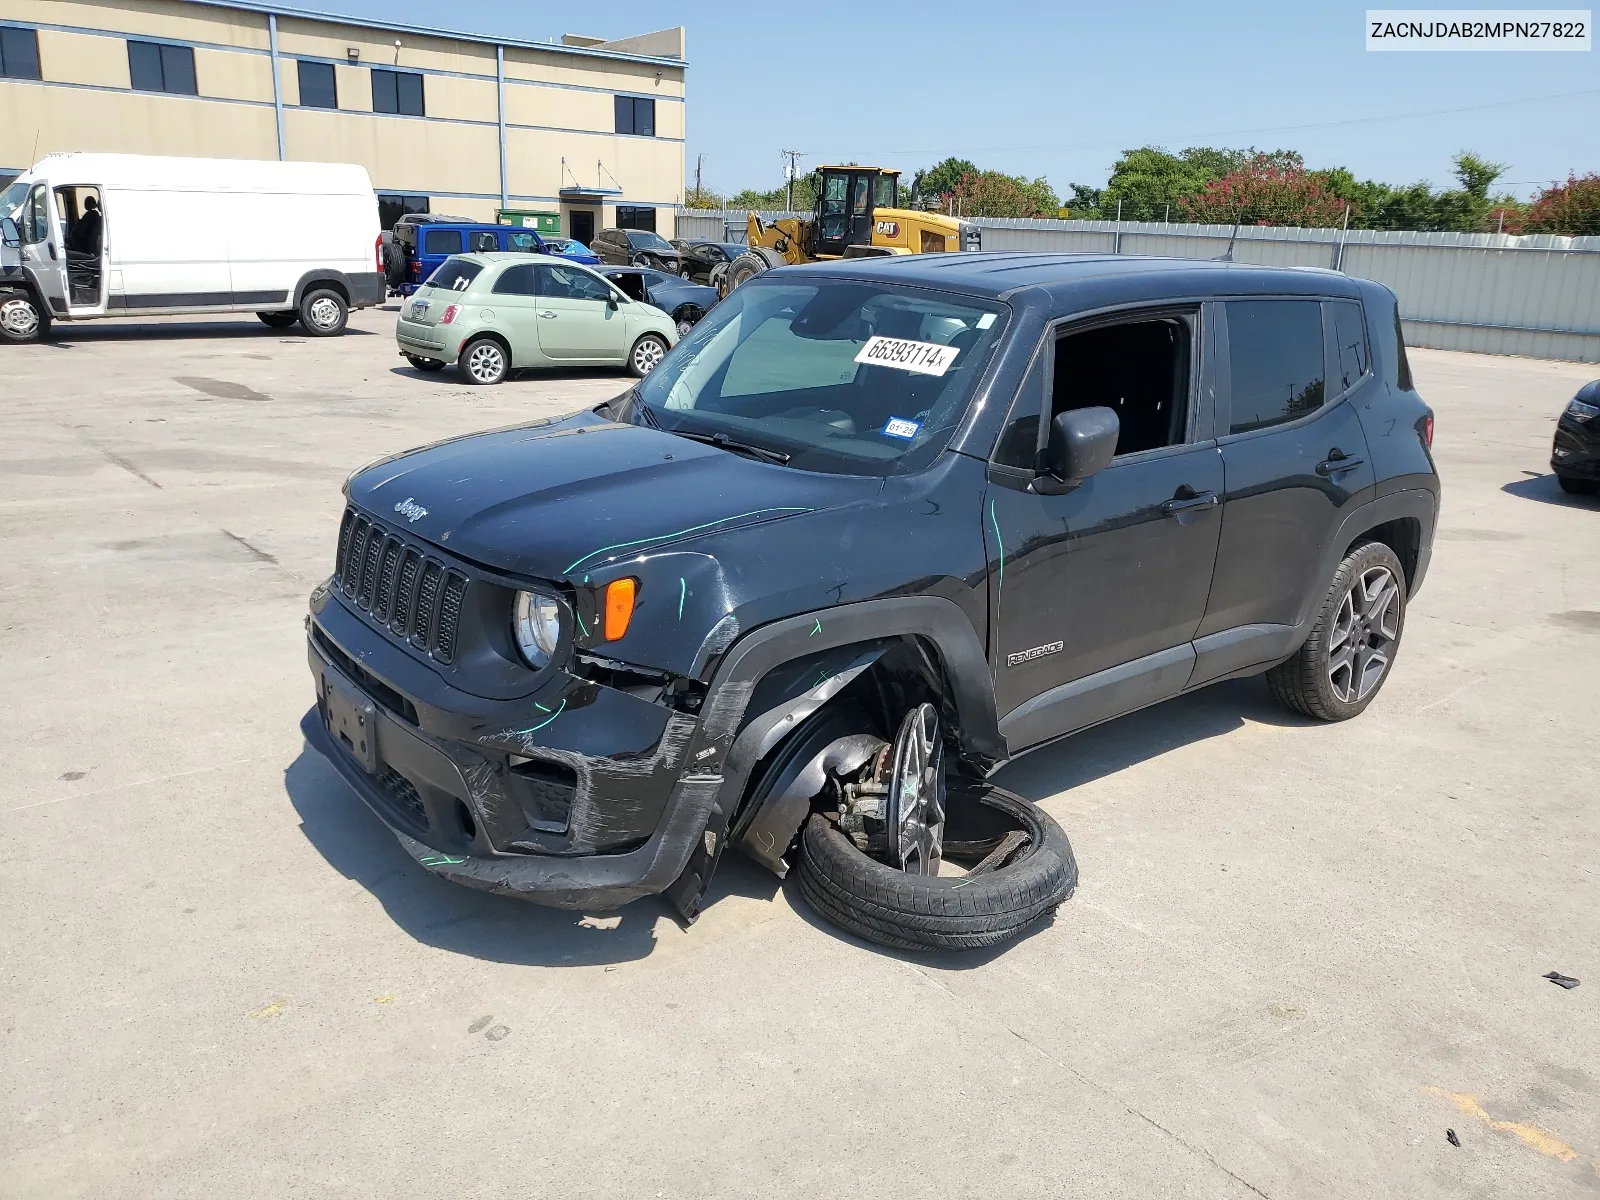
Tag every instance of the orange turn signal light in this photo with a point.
(619, 606)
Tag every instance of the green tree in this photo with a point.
(1262, 192)
(1149, 182)
(938, 180)
(993, 194)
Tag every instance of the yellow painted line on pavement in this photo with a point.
(1530, 1135)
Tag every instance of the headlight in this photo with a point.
(537, 625)
(1582, 411)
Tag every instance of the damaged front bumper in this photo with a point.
(578, 795)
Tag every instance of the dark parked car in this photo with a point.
(636, 248)
(699, 259)
(1575, 457)
(683, 301)
(872, 529)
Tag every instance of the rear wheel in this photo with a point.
(484, 361)
(1572, 485)
(21, 320)
(323, 312)
(278, 320)
(646, 355)
(425, 364)
(1344, 662)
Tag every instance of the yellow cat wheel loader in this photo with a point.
(857, 215)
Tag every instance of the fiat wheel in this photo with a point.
(484, 361)
(647, 354)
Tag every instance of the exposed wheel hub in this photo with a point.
(1364, 632)
(894, 809)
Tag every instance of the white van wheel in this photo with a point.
(20, 319)
(323, 312)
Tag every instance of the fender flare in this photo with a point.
(323, 275)
(859, 631)
(1421, 504)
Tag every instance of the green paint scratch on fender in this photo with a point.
(440, 860)
(683, 594)
(584, 629)
(661, 537)
(1001, 542)
(817, 630)
(547, 720)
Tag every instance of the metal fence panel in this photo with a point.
(1536, 295)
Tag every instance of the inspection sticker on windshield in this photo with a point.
(925, 358)
(901, 428)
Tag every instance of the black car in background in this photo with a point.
(1575, 457)
(636, 248)
(683, 301)
(701, 258)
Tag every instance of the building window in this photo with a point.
(636, 115)
(398, 92)
(392, 206)
(317, 86)
(636, 218)
(19, 53)
(158, 67)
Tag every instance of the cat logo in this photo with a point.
(1024, 656)
(889, 228)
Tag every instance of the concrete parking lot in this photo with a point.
(1299, 953)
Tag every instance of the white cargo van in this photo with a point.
(85, 236)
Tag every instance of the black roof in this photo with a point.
(1017, 275)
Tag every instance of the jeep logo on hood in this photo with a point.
(411, 510)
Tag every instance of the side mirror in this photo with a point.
(611, 303)
(1082, 443)
(9, 234)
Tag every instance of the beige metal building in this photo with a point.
(571, 135)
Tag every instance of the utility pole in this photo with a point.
(698, 160)
(790, 171)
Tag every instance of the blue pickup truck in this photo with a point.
(422, 241)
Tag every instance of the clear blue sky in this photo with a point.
(1036, 87)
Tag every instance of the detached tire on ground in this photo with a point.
(927, 912)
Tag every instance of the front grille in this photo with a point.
(418, 598)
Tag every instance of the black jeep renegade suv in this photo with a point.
(984, 499)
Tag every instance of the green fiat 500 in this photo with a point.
(494, 313)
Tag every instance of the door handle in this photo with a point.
(545, 312)
(1338, 465)
(51, 246)
(1189, 503)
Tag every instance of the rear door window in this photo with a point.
(1275, 360)
(441, 241)
(454, 275)
(484, 242)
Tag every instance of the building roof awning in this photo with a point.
(588, 193)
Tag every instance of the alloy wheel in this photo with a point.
(915, 805)
(1365, 630)
(19, 317)
(487, 362)
(647, 355)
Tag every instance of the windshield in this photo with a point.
(454, 274)
(845, 376)
(643, 239)
(11, 199)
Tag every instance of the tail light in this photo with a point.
(449, 314)
(416, 269)
(377, 253)
(1427, 431)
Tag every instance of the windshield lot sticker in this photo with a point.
(924, 358)
(901, 428)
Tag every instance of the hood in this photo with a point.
(560, 499)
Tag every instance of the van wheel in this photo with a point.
(278, 320)
(424, 364)
(484, 361)
(646, 355)
(21, 319)
(323, 312)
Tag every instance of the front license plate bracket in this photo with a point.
(352, 722)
